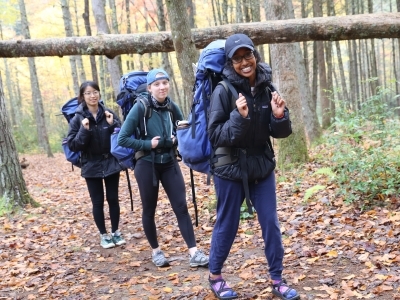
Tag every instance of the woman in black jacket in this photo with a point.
(243, 165)
(89, 132)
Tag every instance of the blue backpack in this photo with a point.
(130, 86)
(194, 145)
(68, 111)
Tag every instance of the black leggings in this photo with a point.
(171, 178)
(96, 191)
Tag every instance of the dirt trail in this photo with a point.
(53, 252)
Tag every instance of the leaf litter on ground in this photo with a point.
(332, 250)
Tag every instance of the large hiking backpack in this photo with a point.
(194, 145)
(68, 111)
(130, 86)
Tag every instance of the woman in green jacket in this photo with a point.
(156, 163)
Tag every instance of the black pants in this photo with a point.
(171, 178)
(96, 191)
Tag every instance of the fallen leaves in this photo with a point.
(332, 250)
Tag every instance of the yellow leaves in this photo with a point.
(351, 276)
(332, 253)
(381, 277)
(167, 290)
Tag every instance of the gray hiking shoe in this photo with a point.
(199, 259)
(118, 239)
(159, 259)
(106, 241)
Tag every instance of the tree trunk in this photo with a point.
(130, 65)
(239, 11)
(314, 84)
(184, 46)
(115, 30)
(18, 98)
(36, 96)
(323, 84)
(13, 191)
(304, 15)
(292, 150)
(383, 25)
(191, 9)
(10, 94)
(69, 32)
(102, 28)
(373, 65)
(85, 17)
(79, 61)
(165, 62)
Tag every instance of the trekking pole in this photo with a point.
(194, 198)
(129, 188)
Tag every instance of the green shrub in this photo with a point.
(364, 152)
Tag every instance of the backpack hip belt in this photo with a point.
(96, 156)
(232, 154)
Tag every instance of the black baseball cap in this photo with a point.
(236, 41)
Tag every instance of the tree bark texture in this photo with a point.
(285, 60)
(36, 96)
(88, 30)
(367, 26)
(184, 46)
(306, 108)
(165, 62)
(12, 184)
(323, 84)
(69, 32)
(102, 27)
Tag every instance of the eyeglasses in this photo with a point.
(238, 59)
(94, 93)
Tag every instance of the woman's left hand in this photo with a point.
(278, 105)
(109, 117)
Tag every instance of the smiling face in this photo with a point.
(159, 89)
(244, 63)
(91, 96)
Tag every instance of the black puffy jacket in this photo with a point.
(94, 144)
(245, 136)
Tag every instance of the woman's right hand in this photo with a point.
(85, 123)
(241, 105)
(154, 142)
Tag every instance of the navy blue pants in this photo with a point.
(230, 195)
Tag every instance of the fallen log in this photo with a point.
(365, 26)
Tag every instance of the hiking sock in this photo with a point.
(154, 251)
(192, 251)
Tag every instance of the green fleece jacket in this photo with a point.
(159, 124)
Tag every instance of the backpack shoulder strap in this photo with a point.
(144, 114)
(229, 88)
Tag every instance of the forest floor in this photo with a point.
(332, 250)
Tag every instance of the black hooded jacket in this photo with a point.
(94, 144)
(249, 136)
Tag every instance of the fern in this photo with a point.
(313, 190)
(326, 171)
